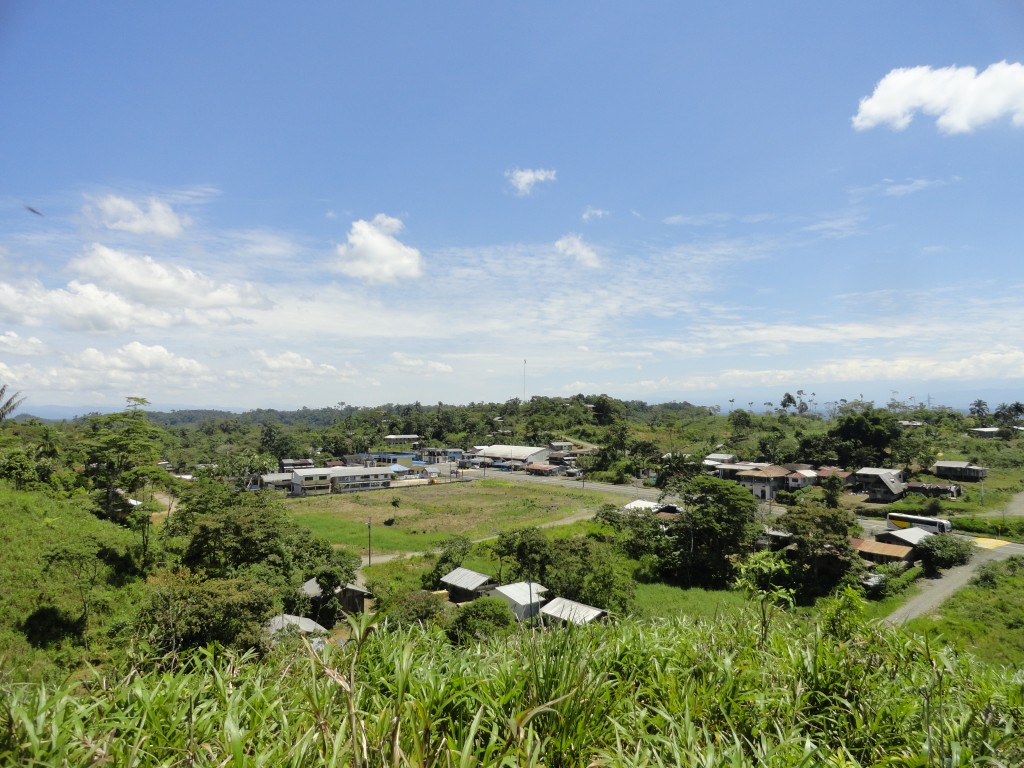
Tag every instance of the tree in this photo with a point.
(584, 570)
(452, 552)
(481, 619)
(122, 445)
(979, 410)
(944, 550)
(182, 609)
(528, 552)
(10, 405)
(716, 527)
(821, 556)
(832, 488)
(863, 437)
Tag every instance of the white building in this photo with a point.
(524, 598)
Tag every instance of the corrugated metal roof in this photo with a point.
(878, 548)
(301, 623)
(911, 536)
(570, 610)
(463, 578)
(523, 592)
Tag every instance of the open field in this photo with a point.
(418, 518)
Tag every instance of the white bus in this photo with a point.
(895, 520)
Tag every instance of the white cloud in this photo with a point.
(910, 187)
(13, 344)
(593, 213)
(120, 213)
(959, 97)
(573, 245)
(144, 280)
(135, 356)
(416, 367)
(375, 255)
(293, 362)
(523, 180)
(837, 226)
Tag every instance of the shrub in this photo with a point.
(943, 550)
(481, 619)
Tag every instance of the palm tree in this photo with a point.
(8, 406)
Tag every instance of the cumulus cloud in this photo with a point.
(13, 344)
(523, 180)
(416, 367)
(573, 246)
(594, 213)
(375, 255)
(960, 98)
(144, 280)
(120, 213)
(138, 357)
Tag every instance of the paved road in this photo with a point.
(933, 592)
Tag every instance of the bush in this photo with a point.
(481, 619)
(943, 550)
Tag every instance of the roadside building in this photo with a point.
(959, 470)
(764, 482)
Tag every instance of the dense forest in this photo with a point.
(103, 583)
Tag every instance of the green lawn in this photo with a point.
(426, 515)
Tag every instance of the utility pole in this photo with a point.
(369, 543)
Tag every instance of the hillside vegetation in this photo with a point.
(675, 693)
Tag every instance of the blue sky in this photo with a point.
(276, 205)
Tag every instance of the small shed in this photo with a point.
(463, 584)
(524, 598)
(571, 612)
(354, 598)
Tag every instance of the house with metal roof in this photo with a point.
(276, 481)
(348, 479)
(907, 537)
(463, 584)
(571, 612)
(764, 482)
(959, 470)
(877, 552)
(524, 598)
(311, 481)
(883, 485)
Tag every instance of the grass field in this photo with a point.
(416, 519)
(665, 601)
(986, 617)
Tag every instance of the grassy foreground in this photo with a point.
(671, 693)
(427, 514)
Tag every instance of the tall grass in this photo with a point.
(669, 693)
